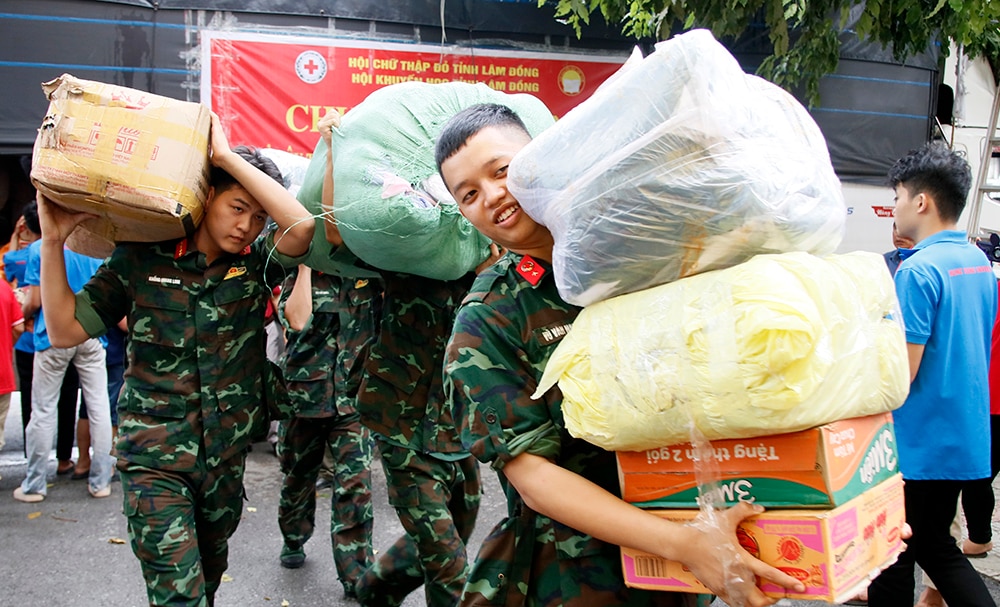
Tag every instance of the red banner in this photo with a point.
(270, 91)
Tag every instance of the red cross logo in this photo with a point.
(310, 67)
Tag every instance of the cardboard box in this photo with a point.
(821, 467)
(136, 160)
(835, 552)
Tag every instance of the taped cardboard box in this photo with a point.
(137, 160)
(836, 552)
(821, 467)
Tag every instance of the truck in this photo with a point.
(272, 68)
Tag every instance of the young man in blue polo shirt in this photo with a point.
(948, 298)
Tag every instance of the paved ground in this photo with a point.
(66, 550)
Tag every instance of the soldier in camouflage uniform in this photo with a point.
(559, 544)
(330, 324)
(193, 389)
(433, 483)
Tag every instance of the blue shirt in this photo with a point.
(895, 257)
(15, 263)
(948, 297)
(79, 269)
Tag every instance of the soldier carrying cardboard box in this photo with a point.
(193, 390)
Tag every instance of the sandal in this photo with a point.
(982, 550)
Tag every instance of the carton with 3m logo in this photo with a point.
(136, 160)
(821, 467)
(835, 552)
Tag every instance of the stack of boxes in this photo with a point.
(834, 497)
(687, 225)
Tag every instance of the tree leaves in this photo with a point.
(804, 34)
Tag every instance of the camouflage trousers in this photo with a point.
(437, 502)
(301, 445)
(179, 524)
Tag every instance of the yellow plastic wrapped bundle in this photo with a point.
(777, 344)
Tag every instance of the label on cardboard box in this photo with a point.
(820, 467)
(136, 160)
(834, 552)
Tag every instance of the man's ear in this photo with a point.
(211, 196)
(923, 202)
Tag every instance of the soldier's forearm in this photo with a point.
(58, 300)
(298, 307)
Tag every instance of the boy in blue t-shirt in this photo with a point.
(948, 298)
(50, 367)
(15, 267)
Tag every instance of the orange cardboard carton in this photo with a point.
(136, 160)
(834, 552)
(821, 467)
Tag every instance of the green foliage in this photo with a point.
(804, 34)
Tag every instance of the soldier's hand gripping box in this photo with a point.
(834, 552)
(137, 160)
(820, 467)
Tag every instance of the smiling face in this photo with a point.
(476, 175)
(233, 219)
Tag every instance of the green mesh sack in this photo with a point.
(392, 209)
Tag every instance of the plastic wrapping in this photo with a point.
(292, 166)
(680, 164)
(780, 343)
(392, 209)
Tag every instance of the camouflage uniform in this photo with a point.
(191, 403)
(322, 371)
(432, 482)
(505, 332)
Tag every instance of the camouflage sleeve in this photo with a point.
(104, 300)
(489, 380)
(286, 290)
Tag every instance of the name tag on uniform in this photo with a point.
(173, 283)
(552, 333)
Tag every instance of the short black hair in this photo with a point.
(938, 170)
(222, 181)
(470, 121)
(30, 214)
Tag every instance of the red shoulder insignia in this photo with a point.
(181, 248)
(246, 250)
(530, 270)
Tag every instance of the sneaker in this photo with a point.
(30, 498)
(102, 492)
(292, 558)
